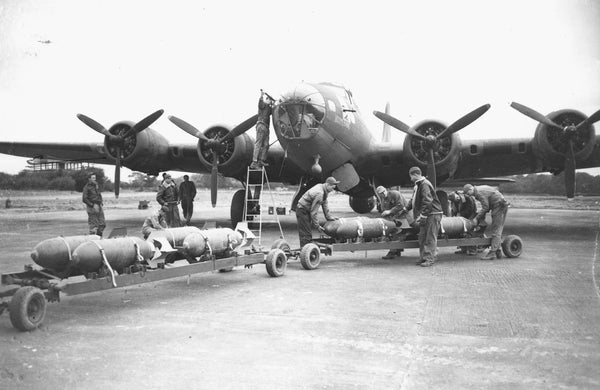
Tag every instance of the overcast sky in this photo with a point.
(205, 61)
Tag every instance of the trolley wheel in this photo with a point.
(310, 256)
(276, 262)
(512, 246)
(27, 308)
(281, 244)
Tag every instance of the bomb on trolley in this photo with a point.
(364, 234)
(82, 264)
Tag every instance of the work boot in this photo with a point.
(391, 254)
(461, 251)
(489, 256)
(471, 252)
(420, 261)
(427, 263)
(499, 253)
(254, 165)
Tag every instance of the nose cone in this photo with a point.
(300, 112)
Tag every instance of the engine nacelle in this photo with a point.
(234, 155)
(446, 153)
(361, 205)
(550, 144)
(142, 152)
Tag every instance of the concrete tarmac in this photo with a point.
(357, 321)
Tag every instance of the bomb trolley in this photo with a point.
(30, 290)
(310, 254)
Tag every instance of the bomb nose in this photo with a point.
(34, 256)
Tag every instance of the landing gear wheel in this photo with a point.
(310, 256)
(237, 207)
(276, 262)
(512, 246)
(281, 244)
(27, 308)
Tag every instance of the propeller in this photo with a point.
(568, 132)
(117, 141)
(431, 141)
(215, 145)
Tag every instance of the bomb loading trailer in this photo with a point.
(25, 294)
(364, 234)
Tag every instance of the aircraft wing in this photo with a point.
(84, 152)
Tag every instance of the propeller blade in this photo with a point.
(431, 174)
(595, 117)
(144, 123)
(241, 128)
(94, 125)
(465, 121)
(534, 115)
(397, 124)
(118, 173)
(570, 171)
(191, 130)
(213, 179)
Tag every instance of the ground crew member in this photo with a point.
(490, 199)
(167, 197)
(187, 193)
(261, 145)
(92, 198)
(154, 222)
(427, 211)
(392, 203)
(463, 205)
(308, 205)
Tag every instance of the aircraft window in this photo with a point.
(300, 120)
(473, 149)
(522, 147)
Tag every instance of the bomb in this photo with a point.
(217, 241)
(56, 253)
(363, 227)
(174, 236)
(120, 253)
(456, 227)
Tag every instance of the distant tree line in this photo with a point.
(67, 180)
(585, 184)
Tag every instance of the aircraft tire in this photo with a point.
(310, 256)
(27, 308)
(512, 246)
(237, 207)
(276, 262)
(281, 244)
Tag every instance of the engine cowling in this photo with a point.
(362, 205)
(446, 151)
(234, 154)
(550, 144)
(142, 152)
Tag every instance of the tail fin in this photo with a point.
(385, 135)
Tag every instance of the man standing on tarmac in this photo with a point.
(308, 205)
(167, 197)
(187, 193)
(490, 199)
(392, 203)
(427, 211)
(261, 145)
(92, 198)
